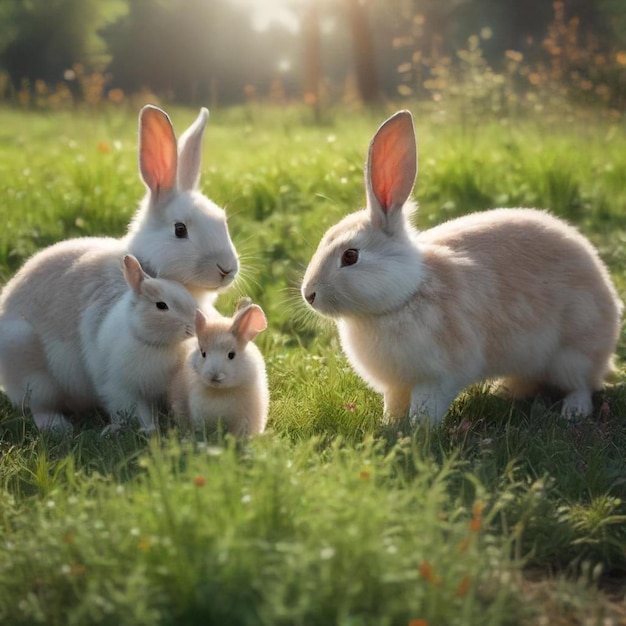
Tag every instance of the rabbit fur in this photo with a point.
(133, 348)
(223, 378)
(177, 234)
(512, 293)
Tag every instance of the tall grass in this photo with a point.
(505, 514)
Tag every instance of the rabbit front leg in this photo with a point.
(577, 404)
(146, 414)
(396, 403)
(432, 400)
(120, 412)
(122, 404)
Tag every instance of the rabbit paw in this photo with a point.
(431, 402)
(577, 404)
(53, 423)
(110, 430)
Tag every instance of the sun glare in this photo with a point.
(268, 13)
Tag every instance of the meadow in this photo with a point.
(505, 514)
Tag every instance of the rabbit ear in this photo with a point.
(391, 167)
(133, 273)
(158, 159)
(190, 152)
(201, 322)
(249, 322)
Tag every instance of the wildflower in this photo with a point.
(477, 508)
(116, 96)
(417, 622)
(477, 513)
(427, 572)
(327, 553)
(463, 587)
(463, 545)
(199, 481)
(144, 544)
(365, 474)
(514, 55)
(77, 569)
(104, 147)
(465, 426)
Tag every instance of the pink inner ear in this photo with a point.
(392, 164)
(158, 158)
(200, 322)
(133, 273)
(250, 322)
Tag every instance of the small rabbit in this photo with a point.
(177, 234)
(133, 348)
(513, 293)
(223, 378)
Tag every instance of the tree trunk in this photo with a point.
(364, 53)
(312, 60)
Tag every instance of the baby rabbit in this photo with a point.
(513, 293)
(133, 349)
(177, 234)
(223, 378)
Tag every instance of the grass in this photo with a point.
(505, 514)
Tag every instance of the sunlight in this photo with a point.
(268, 13)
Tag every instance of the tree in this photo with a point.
(364, 53)
(46, 37)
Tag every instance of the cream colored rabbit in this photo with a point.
(224, 379)
(133, 348)
(513, 293)
(177, 234)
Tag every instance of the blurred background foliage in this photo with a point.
(64, 53)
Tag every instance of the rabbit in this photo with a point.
(133, 348)
(516, 294)
(177, 234)
(223, 377)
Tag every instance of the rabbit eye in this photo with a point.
(180, 230)
(349, 257)
(231, 355)
(162, 306)
(203, 353)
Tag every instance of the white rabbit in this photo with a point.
(177, 234)
(133, 348)
(513, 293)
(223, 378)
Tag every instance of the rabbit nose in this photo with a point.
(310, 297)
(223, 272)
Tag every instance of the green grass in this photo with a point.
(505, 514)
